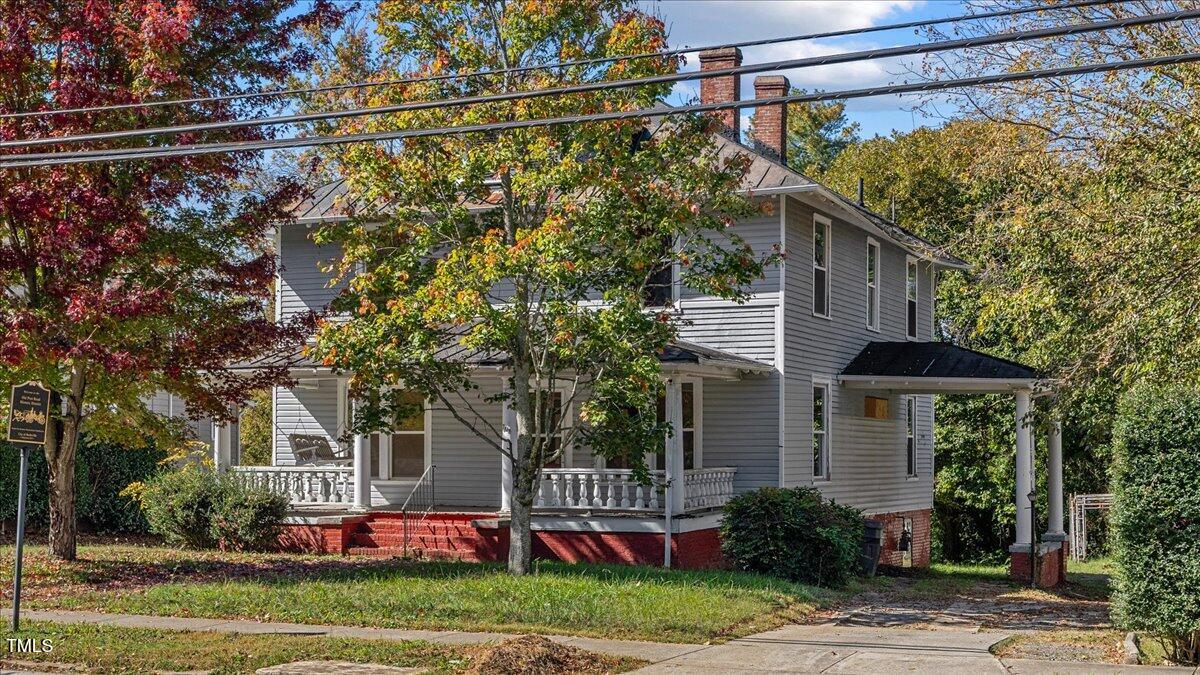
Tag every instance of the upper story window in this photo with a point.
(872, 284)
(910, 425)
(910, 293)
(820, 430)
(820, 266)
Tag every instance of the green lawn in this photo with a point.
(591, 600)
(107, 649)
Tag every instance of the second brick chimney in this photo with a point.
(722, 89)
(770, 121)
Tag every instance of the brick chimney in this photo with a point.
(722, 89)
(770, 121)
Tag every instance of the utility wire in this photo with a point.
(563, 64)
(94, 156)
(846, 57)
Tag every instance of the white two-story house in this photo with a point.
(825, 377)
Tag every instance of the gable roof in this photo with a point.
(765, 176)
(933, 360)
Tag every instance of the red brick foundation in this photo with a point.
(467, 537)
(893, 527)
(1052, 564)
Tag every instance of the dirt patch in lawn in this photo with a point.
(1088, 646)
(933, 602)
(537, 655)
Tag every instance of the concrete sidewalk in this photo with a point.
(827, 648)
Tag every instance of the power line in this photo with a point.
(94, 156)
(563, 64)
(846, 57)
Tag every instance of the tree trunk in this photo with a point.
(520, 536)
(61, 448)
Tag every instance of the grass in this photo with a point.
(107, 649)
(611, 601)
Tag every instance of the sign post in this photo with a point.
(28, 421)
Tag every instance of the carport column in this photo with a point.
(508, 442)
(674, 451)
(222, 456)
(362, 472)
(1054, 486)
(1024, 469)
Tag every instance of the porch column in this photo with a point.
(1054, 485)
(1024, 470)
(362, 472)
(508, 442)
(674, 450)
(222, 455)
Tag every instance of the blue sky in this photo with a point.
(706, 22)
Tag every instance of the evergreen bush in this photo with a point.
(794, 534)
(1156, 516)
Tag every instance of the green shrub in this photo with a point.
(245, 518)
(1156, 515)
(179, 505)
(197, 508)
(793, 534)
(102, 472)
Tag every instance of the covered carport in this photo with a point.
(942, 368)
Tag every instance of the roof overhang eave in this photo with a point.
(859, 220)
(947, 385)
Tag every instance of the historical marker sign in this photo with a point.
(29, 414)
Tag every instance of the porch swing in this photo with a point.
(314, 449)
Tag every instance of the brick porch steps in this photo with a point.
(418, 553)
(439, 536)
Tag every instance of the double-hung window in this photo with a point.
(692, 412)
(872, 284)
(910, 440)
(400, 453)
(820, 261)
(552, 411)
(910, 294)
(820, 430)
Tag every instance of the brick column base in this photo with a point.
(1052, 564)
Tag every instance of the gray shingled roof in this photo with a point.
(765, 174)
(935, 360)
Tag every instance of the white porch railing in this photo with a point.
(302, 484)
(618, 490)
(707, 488)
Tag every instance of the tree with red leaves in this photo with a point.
(119, 280)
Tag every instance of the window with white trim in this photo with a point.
(553, 411)
(400, 453)
(820, 262)
(692, 416)
(872, 284)
(910, 441)
(910, 295)
(820, 430)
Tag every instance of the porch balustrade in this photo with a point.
(302, 484)
(618, 490)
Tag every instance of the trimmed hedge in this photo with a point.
(1156, 515)
(197, 508)
(794, 534)
(102, 471)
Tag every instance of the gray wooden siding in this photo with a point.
(762, 233)
(302, 284)
(866, 456)
(741, 428)
(468, 469)
(745, 330)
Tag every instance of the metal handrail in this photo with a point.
(426, 481)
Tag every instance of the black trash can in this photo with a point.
(872, 543)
